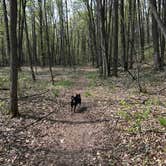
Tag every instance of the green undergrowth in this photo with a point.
(92, 75)
(135, 119)
(92, 78)
(87, 94)
(55, 92)
(3, 108)
(64, 83)
(162, 121)
(4, 81)
(58, 85)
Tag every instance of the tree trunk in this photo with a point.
(41, 32)
(48, 45)
(141, 30)
(29, 51)
(20, 34)
(6, 27)
(13, 62)
(115, 37)
(155, 35)
(123, 37)
(34, 39)
(162, 37)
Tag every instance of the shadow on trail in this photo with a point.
(65, 121)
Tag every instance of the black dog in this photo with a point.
(75, 100)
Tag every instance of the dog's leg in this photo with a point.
(74, 108)
(71, 108)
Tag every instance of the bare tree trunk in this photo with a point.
(41, 32)
(128, 36)
(20, 34)
(13, 62)
(141, 30)
(162, 37)
(123, 37)
(132, 34)
(29, 51)
(115, 50)
(155, 35)
(6, 27)
(34, 40)
(68, 36)
(48, 45)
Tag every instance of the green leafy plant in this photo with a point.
(124, 115)
(162, 121)
(56, 92)
(139, 117)
(87, 94)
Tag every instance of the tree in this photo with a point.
(123, 36)
(6, 27)
(48, 44)
(13, 57)
(115, 38)
(40, 3)
(155, 35)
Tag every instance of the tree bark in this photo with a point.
(155, 35)
(6, 27)
(29, 51)
(13, 62)
(123, 37)
(48, 45)
(115, 38)
(41, 32)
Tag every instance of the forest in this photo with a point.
(82, 82)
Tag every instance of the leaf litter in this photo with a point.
(118, 127)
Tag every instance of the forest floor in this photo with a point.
(115, 125)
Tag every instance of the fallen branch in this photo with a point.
(35, 122)
(154, 131)
(3, 99)
(28, 96)
(34, 95)
(4, 89)
(133, 77)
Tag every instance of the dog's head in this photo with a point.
(72, 97)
